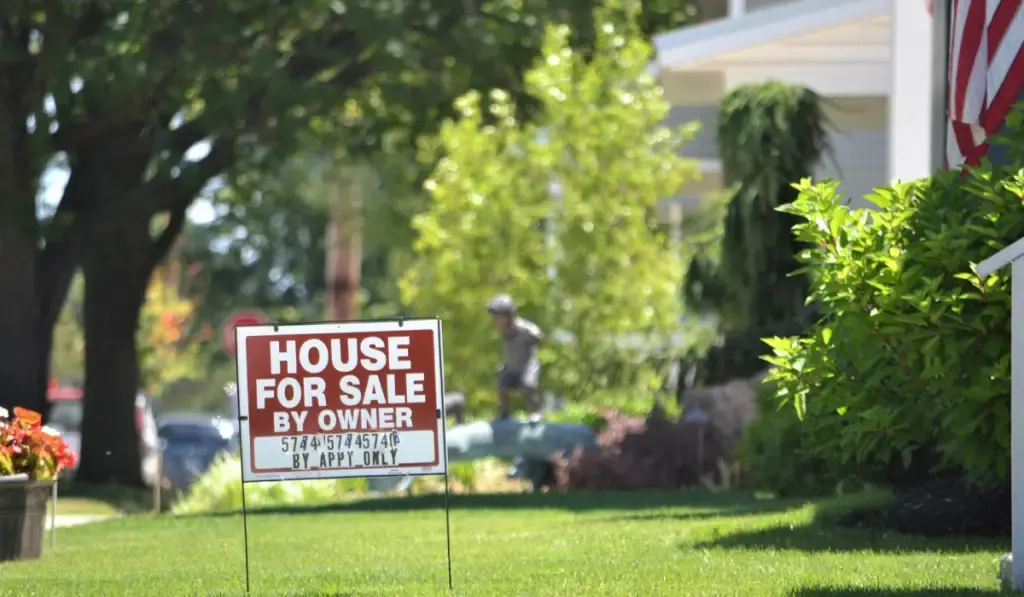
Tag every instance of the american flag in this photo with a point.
(986, 74)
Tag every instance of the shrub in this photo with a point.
(634, 453)
(729, 407)
(908, 371)
(771, 452)
(593, 413)
(483, 475)
(220, 489)
(736, 355)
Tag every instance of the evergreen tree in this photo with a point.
(770, 135)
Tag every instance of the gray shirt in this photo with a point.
(521, 345)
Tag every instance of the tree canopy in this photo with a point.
(262, 213)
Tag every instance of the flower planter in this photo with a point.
(22, 517)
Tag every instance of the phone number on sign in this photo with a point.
(342, 450)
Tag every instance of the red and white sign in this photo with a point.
(248, 317)
(328, 400)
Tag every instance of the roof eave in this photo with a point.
(702, 42)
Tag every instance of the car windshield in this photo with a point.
(66, 415)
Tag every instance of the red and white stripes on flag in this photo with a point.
(986, 74)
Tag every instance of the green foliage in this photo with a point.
(736, 355)
(200, 393)
(165, 353)
(219, 489)
(464, 473)
(910, 362)
(771, 135)
(264, 247)
(278, 263)
(586, 262)
(283, 205)
(594, 412)
(67, 358)
(772, 451)
(704, 225)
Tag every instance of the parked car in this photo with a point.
(191, 443)
(66, 418)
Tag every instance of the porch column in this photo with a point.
(737, 8)
(911, 96)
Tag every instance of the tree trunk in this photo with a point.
(344, 248)
(23, 366)
(116, 272)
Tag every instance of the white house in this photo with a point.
(871, 59)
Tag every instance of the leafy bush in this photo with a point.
(908, 371)
(483, 475)
(634, 453)
(737, 355)
(772, 453)
(594, 412)
(220, 489)
(729, 408)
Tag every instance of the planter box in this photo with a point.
(22, 517)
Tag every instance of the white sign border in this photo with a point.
(244, 332)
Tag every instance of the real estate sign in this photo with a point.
(328, 400)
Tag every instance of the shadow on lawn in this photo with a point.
(716, 504)
(820, 538)
(721, 510)
(880, 592)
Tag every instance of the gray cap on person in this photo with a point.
(501, 305)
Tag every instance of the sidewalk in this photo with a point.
(71, 520)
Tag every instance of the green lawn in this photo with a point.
(675, 544)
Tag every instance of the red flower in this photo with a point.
(28, 447)
(28, 417)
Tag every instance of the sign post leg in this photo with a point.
(1017, 421)
(448, 530)
(245, 515)
(245, 538)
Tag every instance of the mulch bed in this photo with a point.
(939, 508)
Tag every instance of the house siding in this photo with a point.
(859, 140)
(705, 145)
(861, 162)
